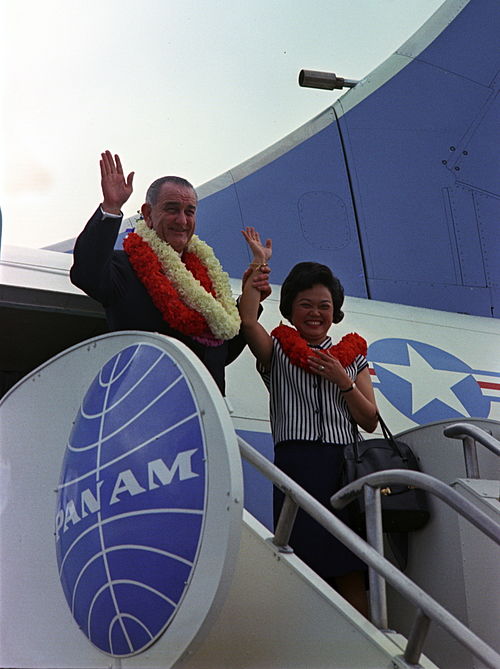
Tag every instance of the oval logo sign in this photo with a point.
(131, 501)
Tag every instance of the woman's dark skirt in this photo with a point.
(317, 468)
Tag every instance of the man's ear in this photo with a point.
(146, 214)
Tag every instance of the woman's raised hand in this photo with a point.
(261, 254)
(115, 189)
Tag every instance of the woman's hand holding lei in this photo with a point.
(329, 367)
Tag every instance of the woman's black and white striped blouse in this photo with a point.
(307, 406)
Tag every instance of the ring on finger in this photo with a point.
(321, 368)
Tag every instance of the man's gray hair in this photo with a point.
(154, 190)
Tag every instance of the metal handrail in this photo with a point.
(470, 434)
(426, 605)
(420, 480)
(370, 485)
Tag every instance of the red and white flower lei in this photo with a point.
(192, 293)
(298, 350)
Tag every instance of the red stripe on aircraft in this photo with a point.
(487, 384)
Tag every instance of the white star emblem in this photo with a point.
(428, 383)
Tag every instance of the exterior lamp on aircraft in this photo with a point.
(327, 80)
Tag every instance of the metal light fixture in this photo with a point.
(327, 80)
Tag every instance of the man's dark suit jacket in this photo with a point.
(106, 275)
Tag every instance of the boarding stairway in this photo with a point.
(409, 621)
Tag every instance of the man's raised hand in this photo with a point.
(115, 189)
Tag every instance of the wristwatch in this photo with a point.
(348, 390)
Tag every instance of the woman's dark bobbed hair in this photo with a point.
(305, 275)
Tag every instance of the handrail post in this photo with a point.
(470, 454)
(417, 638)
(374, 536)
(284, 525)
(471, 435)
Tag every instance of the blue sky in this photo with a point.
(191, 87)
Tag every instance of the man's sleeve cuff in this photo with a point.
(108, 215)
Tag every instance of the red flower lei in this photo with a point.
(148, 268)
(297, 349)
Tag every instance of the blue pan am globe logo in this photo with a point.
(131, 501)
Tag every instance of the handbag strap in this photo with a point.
(356, 439)
(387, 435)
(385, 430)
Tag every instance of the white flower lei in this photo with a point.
(220, 312)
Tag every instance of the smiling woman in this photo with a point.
(312, 313)
(319, 393)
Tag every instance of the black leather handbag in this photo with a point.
(404, 508)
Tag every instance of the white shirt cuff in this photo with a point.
(105, 213)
